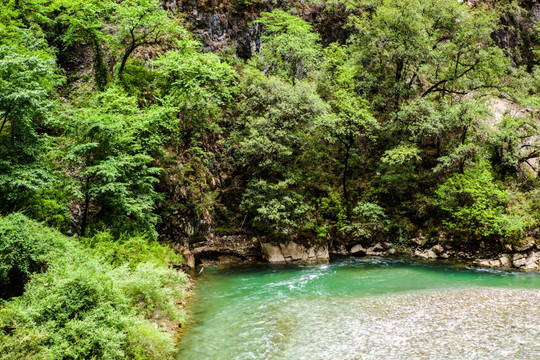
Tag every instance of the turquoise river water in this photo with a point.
(363, 309)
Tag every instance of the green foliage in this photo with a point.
(198, 84)
(142, 22)
(113, 167)
(513, 143)
(277, 208)
(270, 141)
(25, 248)
(81, 307)
(290, 48)
(27, 80)
(131, 250)
(368, 218)
(476, 204)
(85, 22)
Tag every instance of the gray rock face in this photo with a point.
(272, 253)
(293, 253)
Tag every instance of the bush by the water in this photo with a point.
(77, 306)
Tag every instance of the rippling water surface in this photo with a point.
(363, 309)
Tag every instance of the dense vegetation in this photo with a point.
(118, 130)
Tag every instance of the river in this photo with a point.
(363, 309)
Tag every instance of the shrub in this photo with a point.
(82, 307)
(26, 247)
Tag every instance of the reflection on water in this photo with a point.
(379, 309)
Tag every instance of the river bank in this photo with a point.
(247, 248)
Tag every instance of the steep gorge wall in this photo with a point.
(224, 24)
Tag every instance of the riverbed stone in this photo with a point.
(294, 253)
(531, 266)
(321, 253)
(482, 263)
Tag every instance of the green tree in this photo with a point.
(27, 82)
(290, 47)
(477, 205)
(199, 85)
(271, 142)
(142, 22)
(114, 172)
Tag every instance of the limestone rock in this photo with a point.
(531, 266)
(519, 262)
(272, 253)
(340, 250)
(189, 259)
(505, 260)
(525, 244)
(429, 254)
(294, 253)
(358, 250)
(375, 250)
(437, 249)
(482, 262)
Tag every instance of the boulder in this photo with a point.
(358, 250)
(437, 249)
(340, 250)
(294, 253)
(525, 244)
(531, 266)
(519, 262)
(375, 250)
(534, 257)
(505, 260)
(429, 254)
(482, 263)
(272, 253)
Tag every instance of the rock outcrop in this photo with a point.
(293, 253)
